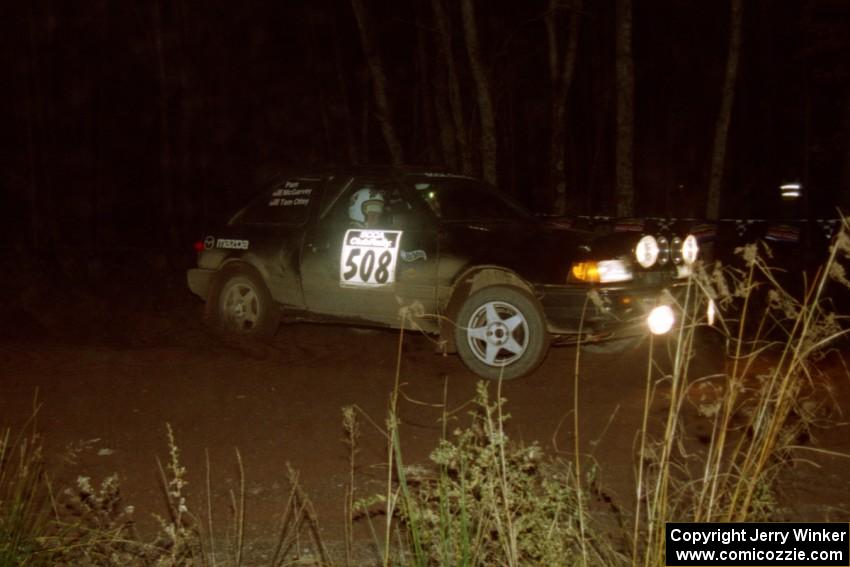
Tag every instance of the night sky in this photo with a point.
(139, 123)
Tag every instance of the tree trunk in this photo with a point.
(489, 142)
(379, 84)
(721, 131)
(350, 144)
(425, 92)
(365, 117)
(448, 143)
(186, 125)
(327, 144)
(844, 193)
(34, 122)
(561, 80)
(625, 192)
(444, 40)
(164, 130)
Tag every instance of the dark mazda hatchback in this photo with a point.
(442, 253)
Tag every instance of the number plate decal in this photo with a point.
(369, 258)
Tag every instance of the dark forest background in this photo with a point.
(138, 123)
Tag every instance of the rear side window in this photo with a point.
(287, 202)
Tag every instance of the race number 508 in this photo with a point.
(368, 258)
(369, 267)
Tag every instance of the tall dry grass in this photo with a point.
(766, 399)
(485, 499)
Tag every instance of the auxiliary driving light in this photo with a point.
(663, 250)
(711, 312)
(660, 320)
(690, 249)
(646, 251)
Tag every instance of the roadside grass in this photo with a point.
(24, 502)
(485, 499)
(764, 403)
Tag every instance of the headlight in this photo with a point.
(646, 251)
(690, 249)
(605, 271)
(660, 320)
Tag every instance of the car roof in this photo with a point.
(370, 170)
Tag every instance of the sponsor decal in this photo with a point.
(741, 226)
(828, 226)
(704, 232)
(562, 223)
(437, 174)
(783, 233)
(629, 225)
(413, 255)
(297, 202)
(231, 244)
(291, 195)
(665, 224)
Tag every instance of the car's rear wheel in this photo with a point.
(501, 333)
(240, 304)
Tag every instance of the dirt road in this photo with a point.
(112, 399)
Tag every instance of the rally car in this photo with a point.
(438, 252)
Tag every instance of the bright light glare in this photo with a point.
(791, 191)
(613, 271)
(690, 249)
(711, 312)
(661, 320)
(646, 251)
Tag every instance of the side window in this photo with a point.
(456, 199)
(288, 202)
(372, 205)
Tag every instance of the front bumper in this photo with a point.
(578, 309)
(199, 281)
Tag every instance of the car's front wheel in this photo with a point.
(501, 333)
(241, 305)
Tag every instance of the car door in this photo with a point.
(369, 273)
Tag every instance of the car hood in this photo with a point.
(541, 252)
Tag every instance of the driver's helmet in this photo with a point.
(364, 201)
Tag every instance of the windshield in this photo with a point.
(466, 199)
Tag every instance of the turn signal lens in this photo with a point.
(585, 272)
(605, 271)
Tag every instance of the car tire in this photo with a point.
(501, 333)
(241, 306)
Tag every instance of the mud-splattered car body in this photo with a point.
(450, 256)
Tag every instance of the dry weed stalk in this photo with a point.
(756, 420)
